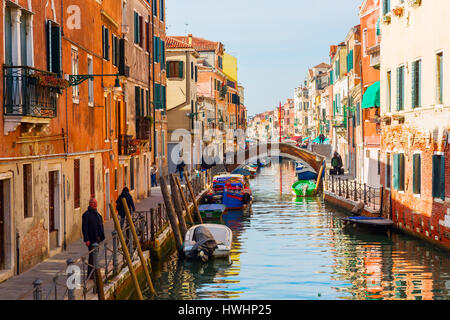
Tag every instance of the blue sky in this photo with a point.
(275, 41)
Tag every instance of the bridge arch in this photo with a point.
(273, 150)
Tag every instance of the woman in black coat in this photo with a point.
(120, 209)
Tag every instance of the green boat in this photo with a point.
(304, 188)
(212, 211)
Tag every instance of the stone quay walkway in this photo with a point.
(20, 287)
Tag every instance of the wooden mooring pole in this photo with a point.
(171, 213)
(183, 199)
(126, 253)
(138, 246)
(178, 206)
(194, 200)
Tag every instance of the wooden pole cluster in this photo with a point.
(183, 199)
(172, 215)
(126, 253)
(178, 206)
(138, 245)
(197, 211)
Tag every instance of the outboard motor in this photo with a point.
(205, 244)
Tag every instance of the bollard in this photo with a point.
(70, 292)
(37, 289)
(95, 263)
(115, 253)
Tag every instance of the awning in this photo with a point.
(304, 139)
(297, 138)
(371, 98)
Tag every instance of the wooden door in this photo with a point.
(51, 200)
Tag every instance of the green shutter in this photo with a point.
(396, 172)
(137, 101)
(414, 85)
(136, 27)
(180, 69)
(417, 179)
(419, 83)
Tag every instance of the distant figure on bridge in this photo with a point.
(322, 138)
(336, 163)
(153, 171)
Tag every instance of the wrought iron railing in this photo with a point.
(30, 92)
(355, 191)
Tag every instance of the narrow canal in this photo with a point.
(299, 249)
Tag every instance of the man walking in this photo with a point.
(180, 169)
(119, 206)
(93, 232)
(153, 172)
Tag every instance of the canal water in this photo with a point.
(288, 248)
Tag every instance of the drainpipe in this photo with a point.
(151, 57)
(64, 201)
(361, 118)
(18, 252)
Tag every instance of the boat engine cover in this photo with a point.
(204, 242)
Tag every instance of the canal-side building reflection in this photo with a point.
(377, 267)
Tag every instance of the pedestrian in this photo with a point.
(93, 232)
(322, 138)
(119, 205)
(153, 171)
(336, 163)
(180, 169)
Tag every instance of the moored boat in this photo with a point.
(376, 224)
(231, 190)
(212, 211)
(307, 179)
(207, 241)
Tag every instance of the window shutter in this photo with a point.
(442, 178)
(49, 46)
(136, 27)
(396, 172)
(414, 84)
(398, 89)
(163, 54)
(435, 177)
(121, 53)
(103, 42)
(419, 83)
(417, 174)
(180, 69)
(107, 43)
(141, 31)
(137, 102)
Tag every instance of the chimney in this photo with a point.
(190, 39)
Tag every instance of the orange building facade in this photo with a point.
(73, 126)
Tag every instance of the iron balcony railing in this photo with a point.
(143, 127)
(31, 92)
(126, 145)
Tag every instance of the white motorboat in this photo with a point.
(204, 241)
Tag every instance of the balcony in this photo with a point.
(30, 96)
(143, 128)
(127, 145)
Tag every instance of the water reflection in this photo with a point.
(298, 249)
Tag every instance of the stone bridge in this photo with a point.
(262, 150)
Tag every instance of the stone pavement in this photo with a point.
(21, 286)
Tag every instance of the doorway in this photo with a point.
(53, 209)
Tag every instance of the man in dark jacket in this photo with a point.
(93, 231)
(120, 209)
(180, 169)
(336, 163)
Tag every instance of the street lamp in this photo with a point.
(77, 79)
